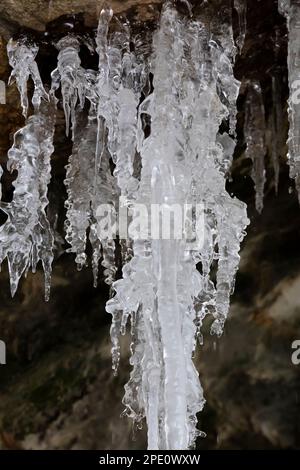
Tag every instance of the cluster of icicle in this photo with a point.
(291, 9)
(183, 159)
(26, 237)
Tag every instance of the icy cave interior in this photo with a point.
(181, 103)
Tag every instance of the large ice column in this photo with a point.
(291, 9)
(148, 290)
(161, 289)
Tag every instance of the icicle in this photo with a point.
(80, 170)
(276, 127)
(71, 77)
(194, 90)
(103, 76)
(83, 200)
(291, 9)
(22, 60)
(26, 237)
(241, 8)
(255, 131)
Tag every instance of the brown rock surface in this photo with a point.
(35, 14)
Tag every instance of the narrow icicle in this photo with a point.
(255, 131)
(241, 8)
(276, 125)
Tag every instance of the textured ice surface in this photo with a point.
(291, 9)
(21, 58)
(146, 129)
(26, 237)
(69, 75)
(161, 290)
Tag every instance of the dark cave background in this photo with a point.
(57, 390)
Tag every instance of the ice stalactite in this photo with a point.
(241, 9)
(21, 58)
(69, 75)
(194, 91)
(291, 9)
(84, 164)
(108, 82)
(113, 94)
(276, 123)
(83, 201)
(80, 197)
(26, 237)
(255, 132)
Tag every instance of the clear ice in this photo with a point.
(21, 58)
(291, 9)
(26, 237)
(146, 129)
(162, 292)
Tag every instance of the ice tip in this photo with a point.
(105, 10)
(13, 288)
(47, 294)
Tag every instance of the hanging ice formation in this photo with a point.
(22, 60)
(26, 237)
(291, 9)
(255, 131)
(172, 134)
(276, 123)
(70, 76)
(241, 9)
(161, 290)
